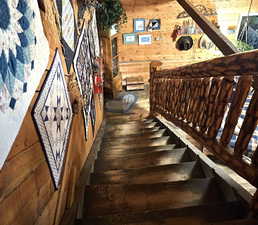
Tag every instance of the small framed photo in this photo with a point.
(139, 25)
(145, 39)
(154, 24)
(130, 38)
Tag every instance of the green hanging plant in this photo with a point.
(241, 46)
(110, 12)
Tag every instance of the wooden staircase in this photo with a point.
(145, 175)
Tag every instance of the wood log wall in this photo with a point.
(135, 59)
(27, 194)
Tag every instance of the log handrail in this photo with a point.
(242, 64)
(202, 100)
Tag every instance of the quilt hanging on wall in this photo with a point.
(93, 115)
(67, 21)
(53, 116)
(95, 34)
(83, 70)
(24, 53)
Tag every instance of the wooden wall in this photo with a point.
(135, 59)
(27, 194)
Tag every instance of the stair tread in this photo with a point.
(213, 212)
(146, 143)
(130, 126)
(132, 137)
(132, 151)
(129, 144)
(114, 134)
(126, 121)
(167, 173)
(104, 199)
(143, 160)
(122, 132)
(144, 153)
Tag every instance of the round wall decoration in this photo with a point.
(205, 43)
(184, 43)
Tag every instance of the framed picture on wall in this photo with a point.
(154, 24)
(145, 39)
(130, 38)
(139, 25)
(247, 31)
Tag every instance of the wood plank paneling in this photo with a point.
(27, 194)
(162, 47)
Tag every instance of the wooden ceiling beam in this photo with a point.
(219, 39)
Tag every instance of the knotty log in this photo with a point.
(238, 100)
(220, 109)
(240, 64)
(248, 127)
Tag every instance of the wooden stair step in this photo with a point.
(133, 87)
(134, 80)
(123, 139)
(213, 212)
(140, 131)
(143, 160)
(120, 144)
(126, 117)
(237, 222)
(167, 173)
(130, 126)
(150, 132)
(132, 151)
(125, 121)
(145, 143)
(116, 198)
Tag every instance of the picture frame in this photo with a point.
(139, 25)
(154, 24)
(241, 32)
(145, 39)
(130, 38)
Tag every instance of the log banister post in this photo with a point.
(154, 66)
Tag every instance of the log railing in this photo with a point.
(205, 99)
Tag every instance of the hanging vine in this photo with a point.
(110, 12)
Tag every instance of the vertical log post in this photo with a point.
(154, 66)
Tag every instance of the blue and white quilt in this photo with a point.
(24, 53)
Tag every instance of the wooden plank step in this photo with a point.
(213, 212)
(126, 121)
(167, 173)
(143, 160)
(131, 116)
(118, 132)
(130, 126)
(123, 138)
(237, 222)
(125, 144)
(132, 151)
(133, 87)
(107, 199)
(134, 80)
